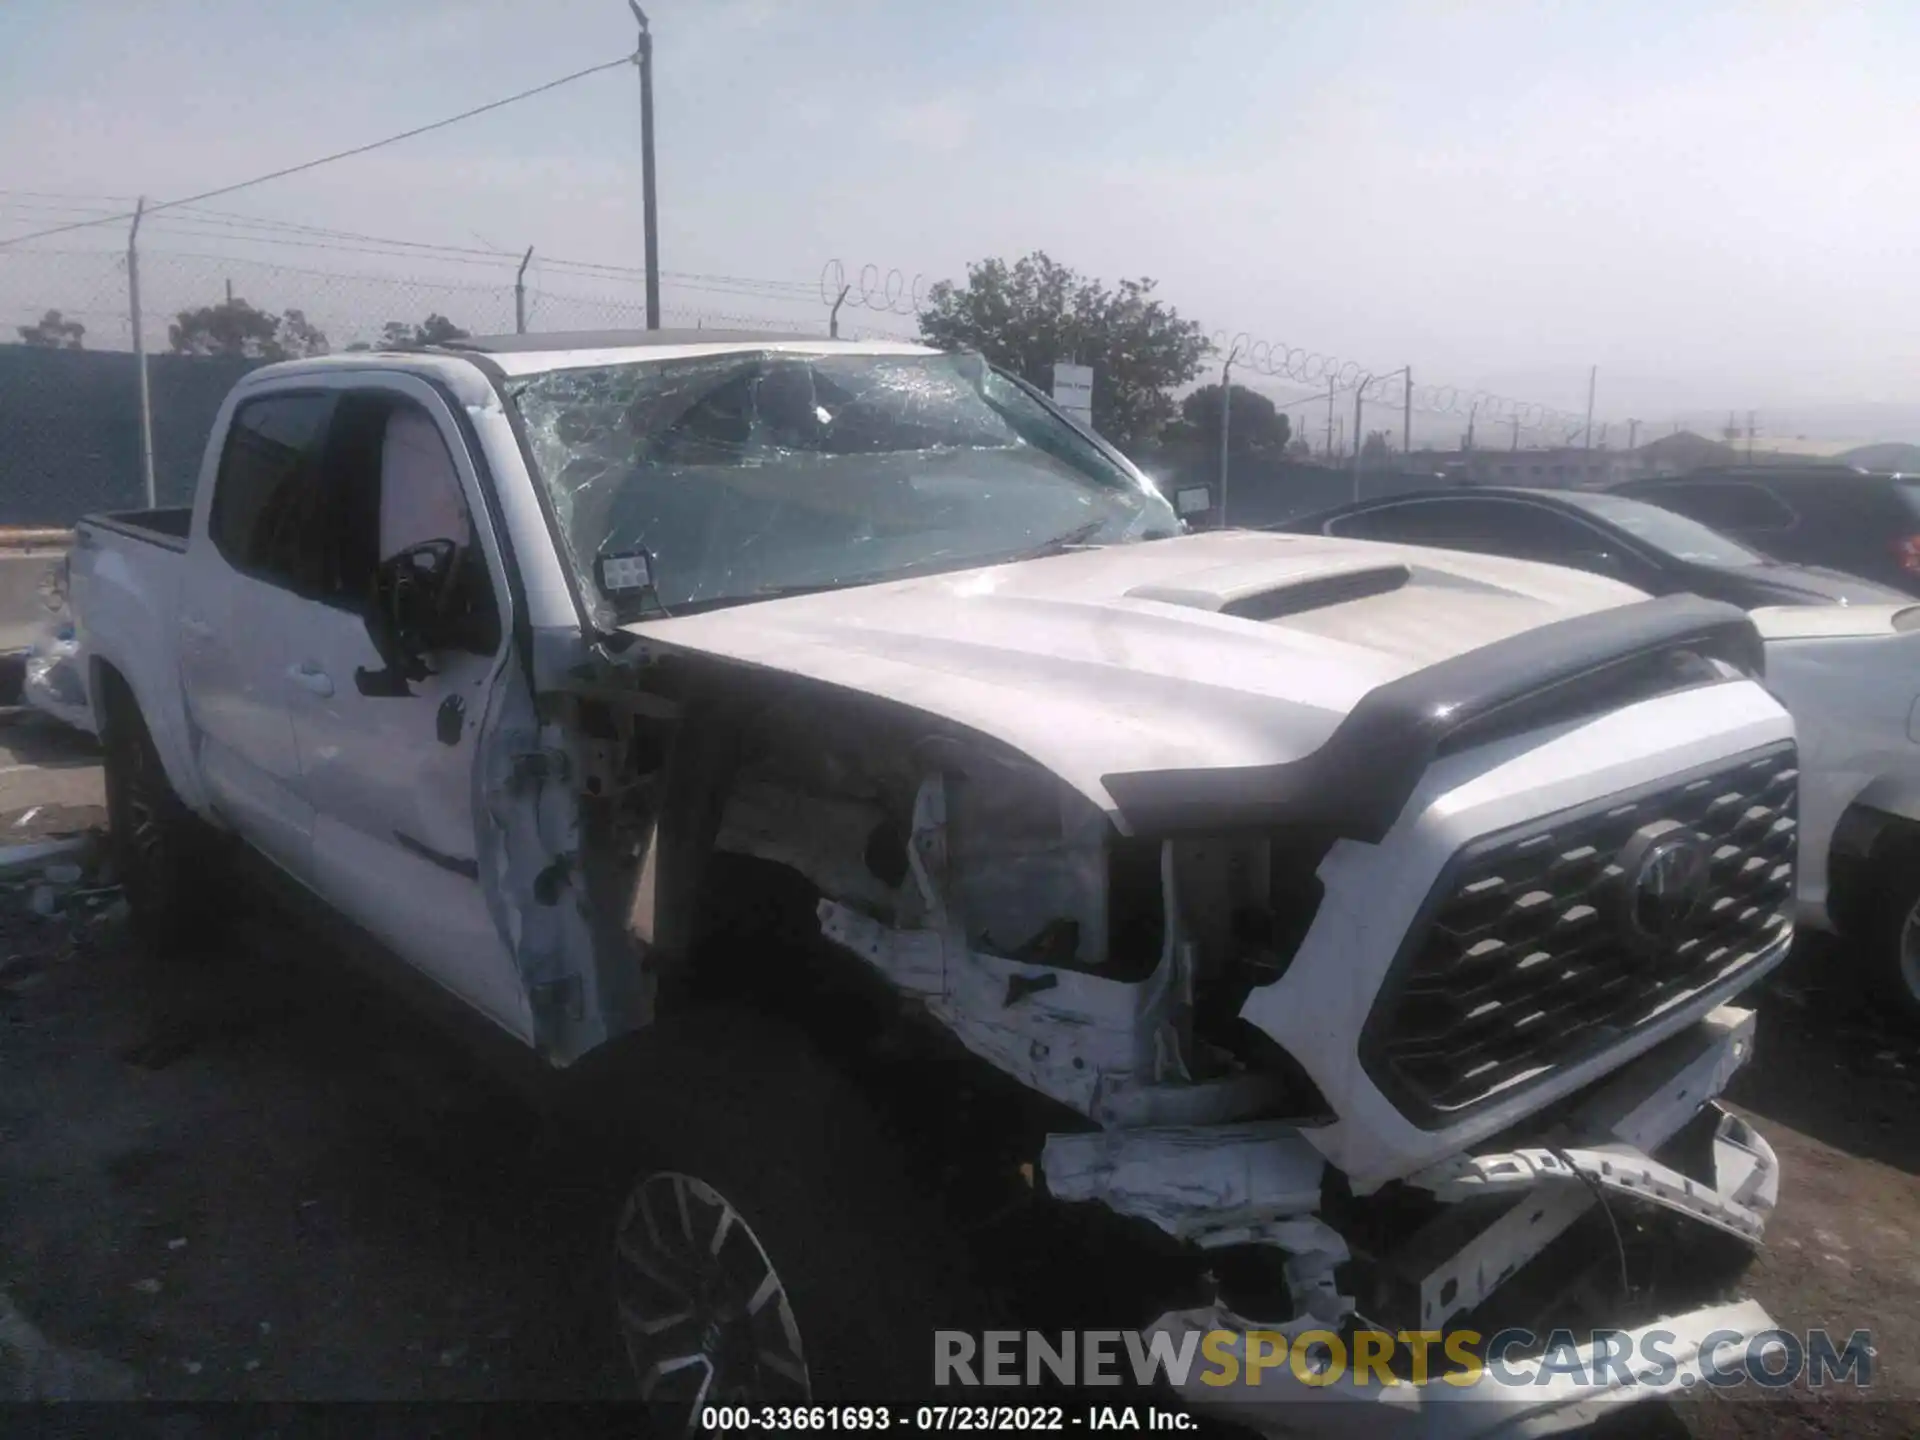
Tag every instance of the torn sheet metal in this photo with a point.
(1074, 1037)
(1193, 1183)
(1640, 1109)
(1626, 1171)
(1082, 1039)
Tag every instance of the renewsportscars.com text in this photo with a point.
(1462, 1358)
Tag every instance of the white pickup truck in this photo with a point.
(843, 758)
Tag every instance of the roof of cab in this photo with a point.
(530, 354)
(524, 354)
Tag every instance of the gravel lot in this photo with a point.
(258, 1177)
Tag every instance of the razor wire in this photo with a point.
(892, 291)
(1315, 368)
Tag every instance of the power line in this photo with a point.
(337, 155)
(206, 223)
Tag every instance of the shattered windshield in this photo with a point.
(758, 473)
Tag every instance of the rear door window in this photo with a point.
(1485, 525)
(267, 493)
(1730, 505)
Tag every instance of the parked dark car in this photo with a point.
(1865, 524)
(1648, 547)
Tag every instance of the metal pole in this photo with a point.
(1330, 389)
(140, 355)
(1591, 374)
(1633, 434)
(833, 319)
(1358, 391)
(1516, 433)
(1226, 410)
(1406, 418)
(520, 294)
(643, 57)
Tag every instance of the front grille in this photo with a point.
(1525, 960)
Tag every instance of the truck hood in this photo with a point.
(1225, 649)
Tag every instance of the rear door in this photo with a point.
(391, 777)
(1748, 512)
(240, 598)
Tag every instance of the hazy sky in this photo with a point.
(1713, 203)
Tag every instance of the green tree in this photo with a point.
(54, 332)
(1027, 316)
(300, 337)
(1377, 452)
(1256, 425)
(436, 329)
(233, 327)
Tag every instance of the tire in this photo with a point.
(161, 850)
(1891, 939)
(772, 1211)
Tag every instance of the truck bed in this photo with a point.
(167, 526)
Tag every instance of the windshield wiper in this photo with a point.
(1058, 545)
(932, 565)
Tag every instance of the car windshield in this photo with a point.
(1665, 531)
(750, 474)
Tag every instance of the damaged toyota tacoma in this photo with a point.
(976, 902)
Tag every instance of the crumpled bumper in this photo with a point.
(1515, 1398)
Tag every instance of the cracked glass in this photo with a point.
(755, 474)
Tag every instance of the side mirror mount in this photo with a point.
(411, 600)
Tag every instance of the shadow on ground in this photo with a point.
(251, 1176)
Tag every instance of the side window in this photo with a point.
(391, 483)
(267, 493)
(1411, 523)
(1725, 505)
(1492, 527)
(420, 495)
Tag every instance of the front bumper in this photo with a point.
(1604, 1147)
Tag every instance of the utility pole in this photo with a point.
(1406, 416)
(140, 352)
(1472, 411)
(643, 58)
(520, 294)
(1226, 410)
(1515, 447)
(1592, 375)
(1749, 437)
(1358, 392)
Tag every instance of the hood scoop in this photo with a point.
(1267, 597)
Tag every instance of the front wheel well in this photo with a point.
(1865, 842)
(110, 692)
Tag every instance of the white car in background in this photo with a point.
(1850, 675)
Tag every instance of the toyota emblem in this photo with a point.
(1665, 867)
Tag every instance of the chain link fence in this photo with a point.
(69, 389)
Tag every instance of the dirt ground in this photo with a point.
(258, 1177)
